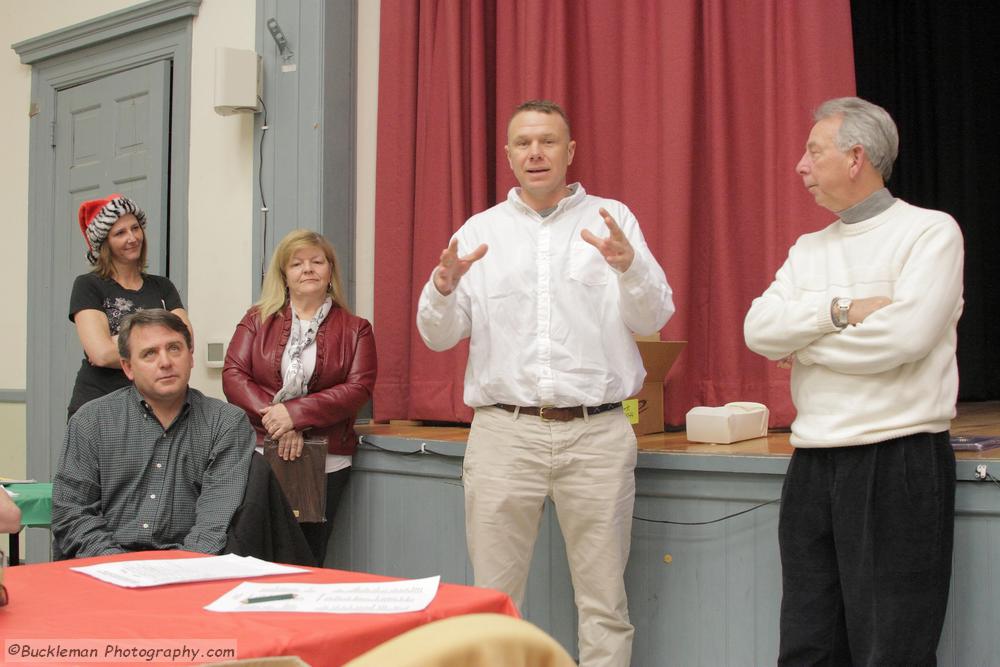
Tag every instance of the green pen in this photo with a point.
(270, 598)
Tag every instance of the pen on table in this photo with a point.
(270, 598)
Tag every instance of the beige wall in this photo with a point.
(220, 194)
(13, 460)
(220, 215)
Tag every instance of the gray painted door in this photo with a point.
(111, 136)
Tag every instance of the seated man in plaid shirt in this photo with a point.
(156, 465)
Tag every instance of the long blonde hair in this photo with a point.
(274, 291)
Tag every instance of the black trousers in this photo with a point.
(318, 534)
(865, 535)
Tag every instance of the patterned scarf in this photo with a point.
(295, 381)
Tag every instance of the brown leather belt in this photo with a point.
(552, 414)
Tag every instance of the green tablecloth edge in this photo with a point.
(35, 501)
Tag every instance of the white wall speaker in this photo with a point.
(237, 81)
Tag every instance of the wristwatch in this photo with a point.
(841, 307)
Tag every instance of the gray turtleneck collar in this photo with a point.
(869, 207)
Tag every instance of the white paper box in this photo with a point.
(730, 423)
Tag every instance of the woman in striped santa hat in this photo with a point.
(114, 230)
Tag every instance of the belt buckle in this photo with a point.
(541, 413)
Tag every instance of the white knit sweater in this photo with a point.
(895, 373)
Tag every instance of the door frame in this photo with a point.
(135, 36)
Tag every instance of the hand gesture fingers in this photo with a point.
(451, 267)
(449, 256)
(616, 232)
(615, 248)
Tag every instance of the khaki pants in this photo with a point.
(587, 467)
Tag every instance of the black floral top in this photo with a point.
(91, 292)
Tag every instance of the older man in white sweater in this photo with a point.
(865, 313)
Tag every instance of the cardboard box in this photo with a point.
(645, 409)
(727, 424)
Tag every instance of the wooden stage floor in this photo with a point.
(973, 419)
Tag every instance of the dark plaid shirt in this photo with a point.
(127, 484)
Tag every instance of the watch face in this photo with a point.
(843, 307)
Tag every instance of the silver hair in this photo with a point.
(867, 125)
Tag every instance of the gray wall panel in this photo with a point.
(306, 165)
(715, 603)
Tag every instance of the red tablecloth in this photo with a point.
(50, 601)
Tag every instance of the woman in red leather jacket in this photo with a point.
(300, 364)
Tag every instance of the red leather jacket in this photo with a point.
(340, 385)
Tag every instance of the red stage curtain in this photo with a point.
(692, 112)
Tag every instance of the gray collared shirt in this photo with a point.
(126, 483)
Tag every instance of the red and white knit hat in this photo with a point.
(97, 216)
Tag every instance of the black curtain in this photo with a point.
(933, 65)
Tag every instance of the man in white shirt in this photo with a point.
(865, 313)
(549, 285)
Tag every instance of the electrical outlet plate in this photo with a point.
(215, 353)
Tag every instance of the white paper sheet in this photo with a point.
(142, 573)
(384, 597)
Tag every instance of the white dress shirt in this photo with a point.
(550, 321)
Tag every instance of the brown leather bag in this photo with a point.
(303, 480)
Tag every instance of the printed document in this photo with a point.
(142, 573)
(383, 597)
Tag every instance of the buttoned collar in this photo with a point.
(576, 195)
(148, 409)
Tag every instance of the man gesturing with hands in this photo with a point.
(549, 286)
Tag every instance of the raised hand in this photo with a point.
(451, 268)
(615, 248)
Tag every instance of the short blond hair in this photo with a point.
(542, 106)
(274, 291)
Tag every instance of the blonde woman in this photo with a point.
(114, 229)
(300, 364)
